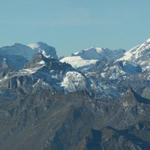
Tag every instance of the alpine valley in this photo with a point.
(95, 99)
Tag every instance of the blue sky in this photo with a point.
(71, 25)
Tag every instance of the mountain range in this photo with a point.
(95, 99)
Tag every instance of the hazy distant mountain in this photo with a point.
(15, 61)
(18, 54)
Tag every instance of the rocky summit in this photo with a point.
(95, 99)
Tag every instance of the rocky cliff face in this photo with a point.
(49, 120)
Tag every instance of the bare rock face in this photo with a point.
(46, 120)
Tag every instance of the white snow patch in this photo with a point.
(99, 50)
(28, 71)
(103, 74)
(44, 54)
(41, 62)
(77, 61)
(148, 40)
(76, 53)
(55, 76)
(125, 104)
(33, 45)
(139, 55)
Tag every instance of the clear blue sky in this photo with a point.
(71, 25)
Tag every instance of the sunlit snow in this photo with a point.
(77, 61)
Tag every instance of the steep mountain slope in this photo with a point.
(46, 121)
(139, 55)
(134, 61)
(114, 77)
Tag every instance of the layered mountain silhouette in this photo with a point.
(95, 99)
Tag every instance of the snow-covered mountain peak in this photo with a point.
(90, 53)
(144, 46)
(45, 49)
(27, 51)
(139, 55)
(40, 45)
(86, 58)
(148, 40)
(99, 50)
(98, 53)
(33, 45)
(74, 81)
(137, 51)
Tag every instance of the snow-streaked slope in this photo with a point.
(134, 62)
(48, 73)
(120, 70)
(32, 70)
(74, 81)
(139, 55)
(86, 58)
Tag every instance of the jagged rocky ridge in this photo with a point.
(49, 105)
(43, 73)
